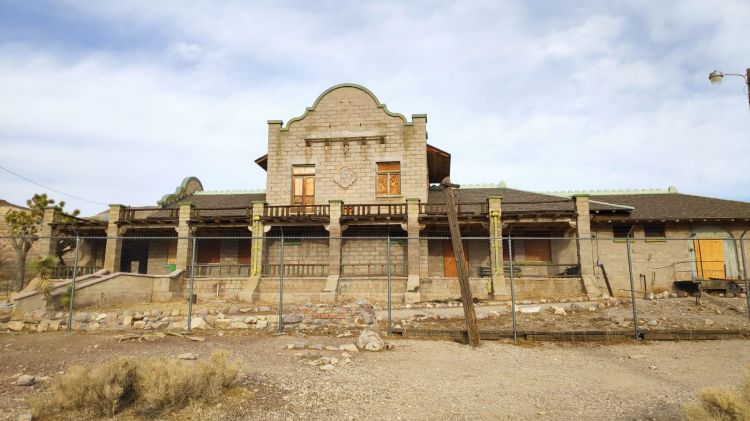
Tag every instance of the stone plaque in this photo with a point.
(345, 177)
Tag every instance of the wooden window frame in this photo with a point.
(655, 232)
(617, 234)
(388, 174)
(302, 176)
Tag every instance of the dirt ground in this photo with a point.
(416, 380)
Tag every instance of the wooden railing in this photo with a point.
(481, 208)
(295, 211)
(377, 210)
(220, 270)
(66, 272)
(373, 269)
(149, 214)
(226, 212)
(295, 270)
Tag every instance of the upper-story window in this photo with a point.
(388, 179)
(303, 185)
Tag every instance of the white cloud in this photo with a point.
(599, 96)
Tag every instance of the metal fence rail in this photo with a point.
(297, 272)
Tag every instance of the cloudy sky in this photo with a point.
(116, 102)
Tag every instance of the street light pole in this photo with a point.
(716, 76)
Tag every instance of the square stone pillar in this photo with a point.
(184, 257)
(499, 289)
(584, 244)
(412, 294)
(249, 289)
(334, 251)
(113, 250)
(47, 244)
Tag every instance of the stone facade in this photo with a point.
(346, 133)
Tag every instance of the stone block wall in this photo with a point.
(346, 114)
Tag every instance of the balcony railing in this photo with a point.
(149, 215)
(295, 270)
(222, 215)
(66, 272)
(375, 211)
(219, 270)
(464, 209)
(373, 269)
(296, 211)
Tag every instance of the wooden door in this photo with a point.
(709, 258)
(450, 268)
(303, 193)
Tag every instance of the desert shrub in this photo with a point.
(721, 404)
(150, 387)
(101, 390)
(167, 384)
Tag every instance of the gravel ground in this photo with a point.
(417, 380)
(711, 312)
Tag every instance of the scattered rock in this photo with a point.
(15, 326)
(25, 380)
(198, 323)
(370, 341)
(349, 348)
(140, 324)
(299, 345)
(708, 322)
(239, 325)
(327, 367)
(636, 356)
(530, 310)
(101, 317)
(188, 356)
(293, 318)
(559, 311)
(261, 324)
(127, 320)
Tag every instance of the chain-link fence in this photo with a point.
(522, 283)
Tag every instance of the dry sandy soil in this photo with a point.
(417, 380)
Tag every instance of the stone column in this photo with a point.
(249, 289)
(113, 250)
(584, 244)
(412, 294)
(46, 244)
(334, 252)
(499, 289)
(184, 257)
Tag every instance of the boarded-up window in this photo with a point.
(388, 178)
(621, 231)
(243, 251)
(303, 185)
(654, 231)
(537, 250)
(209, 250)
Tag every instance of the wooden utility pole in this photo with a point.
(463, 270)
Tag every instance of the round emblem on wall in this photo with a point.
(345, 177)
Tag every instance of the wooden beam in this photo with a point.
(463, 270)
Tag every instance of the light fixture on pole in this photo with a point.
(716, 76)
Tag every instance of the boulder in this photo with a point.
(326, 367)
(26, 380)
(261, 324)
(530, 310)
(127, 320)
(15, 325)
(559, 311)
(293, 318)
(370, 341)
(139, 324)
(100, 317)
(239, 325)
(222, 323)
(349, 348)
(198, 323)
(81, 317)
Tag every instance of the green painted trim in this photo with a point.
(218, 192)
(581, 195)
(335, 201)
(413, 116)
(179, 190)
(346, 85)
(186, 204)
(116, 204)
(276, 122)
(670, 189)
(259, 202)
(494, 197)
(412, 199)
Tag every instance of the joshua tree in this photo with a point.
(24, 226)
(43, 268)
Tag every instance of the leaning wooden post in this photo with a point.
(463, 271)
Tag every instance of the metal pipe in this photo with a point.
(744, 259)
(192, 280)
(632, 285)
(388, 256)
(73, 284)
(281, 283)
(512, 282)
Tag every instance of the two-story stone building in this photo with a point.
(353, 189)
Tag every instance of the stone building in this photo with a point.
(353, 190)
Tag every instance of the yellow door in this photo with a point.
(709, 258)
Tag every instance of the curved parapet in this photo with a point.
(188, 186)
(334, 88)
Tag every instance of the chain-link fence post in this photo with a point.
(281, 284)
(390, 302)
(512, 285)
(73, 284)
(192, 281)
(744, 270)
(632, 285)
